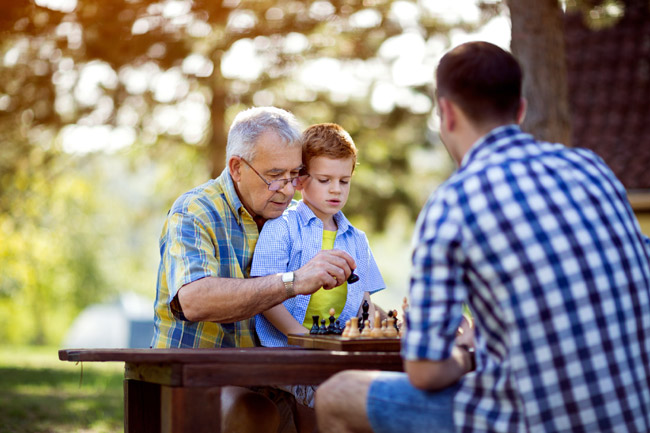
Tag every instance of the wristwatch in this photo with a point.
(288, 278)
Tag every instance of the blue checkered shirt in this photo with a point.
(287, 243)
(541, 243)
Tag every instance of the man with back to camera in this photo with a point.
(539, 240)
(204, 298)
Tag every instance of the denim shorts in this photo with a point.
(394, 405)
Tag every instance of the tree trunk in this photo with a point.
(538, 44)
(218, 139)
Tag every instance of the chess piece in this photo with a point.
(338, 330)
(354, 328)
(376, 327)
(314, 329)
(405, 307)
(395, 324)
(366, 330)
(353, 278)
(330, 328)
(391, 330)
(323, 329)
(346, 329)
(364, 315)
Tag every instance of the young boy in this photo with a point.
(316, 222)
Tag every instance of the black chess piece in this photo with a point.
(323, 329)
(393, 314)
(314, 329)
(330, 328)
(353, 278)
(364, 315)
(338, 329)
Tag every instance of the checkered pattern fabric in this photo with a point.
(287, 243)
(208, 232)
(541, 243)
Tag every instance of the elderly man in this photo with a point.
(203, 296)
(540, 242)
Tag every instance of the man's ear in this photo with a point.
(447, 113)
(521, 113)
(234, 166)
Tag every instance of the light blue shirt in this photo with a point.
(287, 243)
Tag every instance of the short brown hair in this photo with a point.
(483, 79)
(329, 140)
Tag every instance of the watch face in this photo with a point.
(287, 277)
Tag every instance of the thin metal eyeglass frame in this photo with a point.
(295, 181)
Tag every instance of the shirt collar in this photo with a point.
(228, 187)
(307, 216)
(490, 142)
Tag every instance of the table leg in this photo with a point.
(141, 407)
(190, 410)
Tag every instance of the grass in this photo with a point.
(40, 394)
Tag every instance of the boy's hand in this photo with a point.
(328, 269)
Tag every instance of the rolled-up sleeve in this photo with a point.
(191, 254)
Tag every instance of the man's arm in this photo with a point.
(434, 375)
(227, 300)
(280, 317)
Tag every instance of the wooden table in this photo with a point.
(179, 390)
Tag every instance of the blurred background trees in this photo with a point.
(109, 109)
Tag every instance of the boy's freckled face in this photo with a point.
(327, 188)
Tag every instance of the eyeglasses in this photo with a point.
(278, 184)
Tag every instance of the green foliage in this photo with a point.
(49, 269)
(41, 394)
(80, 220)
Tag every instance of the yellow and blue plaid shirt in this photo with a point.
(208, 233)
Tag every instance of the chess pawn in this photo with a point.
(395, 324)
(315, 328)
(346, 330)
(391, 330)
(323, 329)
(338, 330)
(354, 328)
(331, 329)
(376, 327)
(366, 330)
(405, 304)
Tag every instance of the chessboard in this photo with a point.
(336, 342)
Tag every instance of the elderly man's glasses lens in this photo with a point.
(278, 184)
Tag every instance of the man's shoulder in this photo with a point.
(207, 194)
(206, 202)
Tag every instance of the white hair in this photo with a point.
(250, 124)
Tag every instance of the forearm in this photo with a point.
(226, 300)
(436, 375)
(280, 317)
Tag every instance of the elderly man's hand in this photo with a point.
(328, 269)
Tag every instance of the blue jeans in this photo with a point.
(394, 405)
